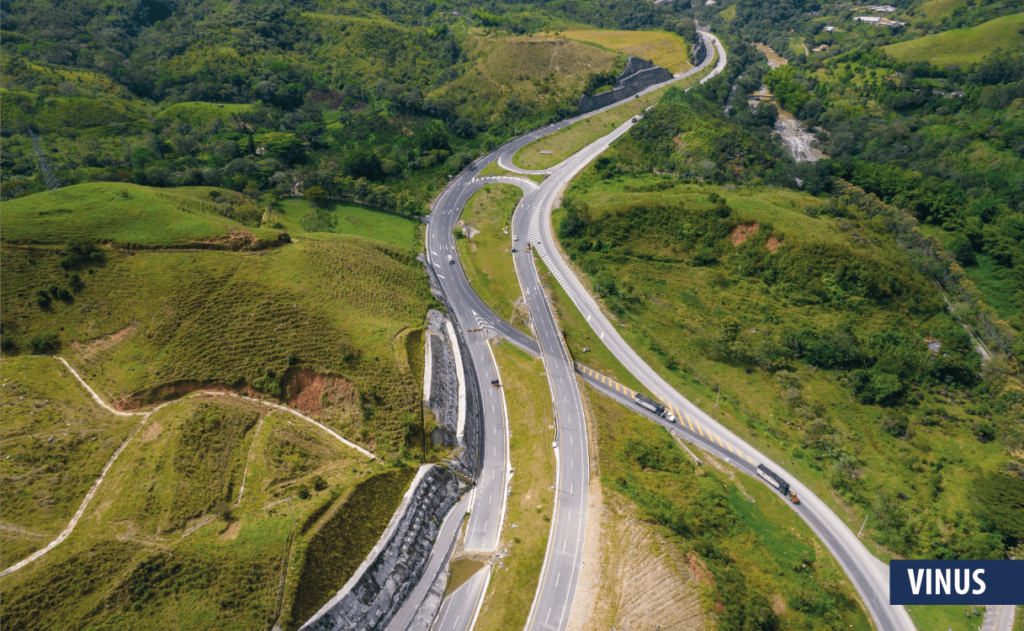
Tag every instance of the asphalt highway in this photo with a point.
(869, 575)
(563, 560)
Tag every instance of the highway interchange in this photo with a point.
(563, 562)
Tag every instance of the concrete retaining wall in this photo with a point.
(371, 597)
(638, 75)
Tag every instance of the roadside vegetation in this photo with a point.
(337, 543)
(568, 141)
(530, 505)
(756, 565)
(485, 252)
(754, 291)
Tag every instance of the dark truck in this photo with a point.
(777, 482)
(653, 406)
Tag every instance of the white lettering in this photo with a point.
(928, 581)
(915, 587)
(981, 583)
(967, 581)
(941, 582)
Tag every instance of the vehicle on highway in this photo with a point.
(650, 404)
(774, 480)
(515, 238)
(671, 417)
(793, 498)
(451, 261)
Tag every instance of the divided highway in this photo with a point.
(563, 561)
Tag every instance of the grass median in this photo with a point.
(528, 521)
(487, 257)
(493, 169)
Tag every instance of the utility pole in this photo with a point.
(862, 525)
(718, 395)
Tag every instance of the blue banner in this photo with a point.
(956, 583)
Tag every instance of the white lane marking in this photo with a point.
(558, 578)
(441, 277)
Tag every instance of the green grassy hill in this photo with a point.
(533, 73)
(331, 312)
(815, 327)
(173, 539)
(963, 46)
(129, 214)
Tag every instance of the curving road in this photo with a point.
(869, 575)
(557, 585)
(563, 561)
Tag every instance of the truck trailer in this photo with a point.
(650, 404)
(774, 480)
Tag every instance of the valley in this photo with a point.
(286, 289)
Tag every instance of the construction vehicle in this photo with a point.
(495, 383)
(793, 498)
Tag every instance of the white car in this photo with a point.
(515, 238)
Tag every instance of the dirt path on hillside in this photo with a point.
(145, 417)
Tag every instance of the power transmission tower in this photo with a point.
(44, 164)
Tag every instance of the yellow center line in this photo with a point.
(719, 441)
(617, 388)
(690, 422)
(729, 446)
(699, 429)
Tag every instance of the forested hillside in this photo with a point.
(368, 101)
(863, 324)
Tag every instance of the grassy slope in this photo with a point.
(339, 543)
(962, 46)
(532, 71)
(124, 213)
(764, 542)
(199, 114)
(696, 301)
(330, 304)
(486, 256)
(568, 141)
(512, 588)
(668, 50)
(938, 8)
(44, 480)
(225, 574)
(351, 219)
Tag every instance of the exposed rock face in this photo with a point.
(638, 75)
